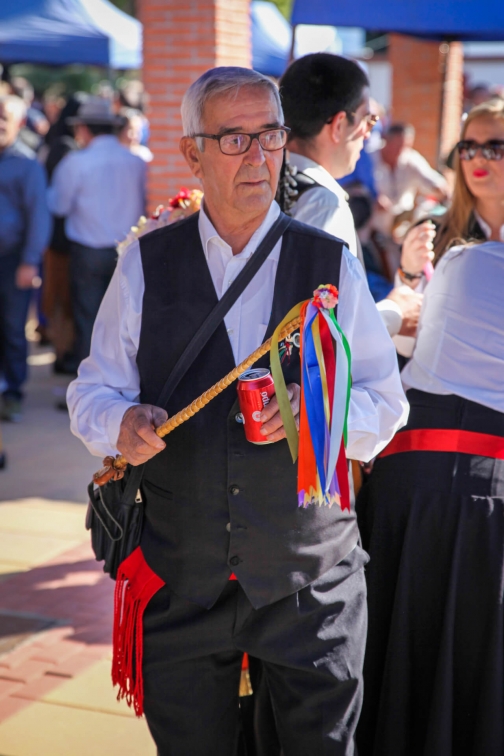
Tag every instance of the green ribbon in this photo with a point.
(282, 396)
(346, 347)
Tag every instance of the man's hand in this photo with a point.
(25, 275)
(410, 305)
(272, 427)
(137, 440)
(418, 249)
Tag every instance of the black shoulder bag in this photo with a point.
(115, 510)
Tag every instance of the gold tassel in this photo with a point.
(245, 684)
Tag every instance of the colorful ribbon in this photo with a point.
(325, 396)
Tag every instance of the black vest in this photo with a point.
(215, 503)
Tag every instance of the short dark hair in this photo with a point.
(97, 129)
(316, 87)
(400, 129)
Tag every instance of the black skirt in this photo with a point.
(433, 523)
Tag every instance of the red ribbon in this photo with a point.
(441, 440)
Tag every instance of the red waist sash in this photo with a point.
(442, 440)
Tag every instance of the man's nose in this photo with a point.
(255, 153)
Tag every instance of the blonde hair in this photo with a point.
(455, 226)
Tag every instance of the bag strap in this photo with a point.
(210, 325)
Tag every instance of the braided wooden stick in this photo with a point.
(114, 468)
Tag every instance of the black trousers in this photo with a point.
(14, 305)
(311, 645)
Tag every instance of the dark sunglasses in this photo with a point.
(491, 150)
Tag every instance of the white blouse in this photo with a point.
(460, 343)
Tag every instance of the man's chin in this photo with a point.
(255, 196)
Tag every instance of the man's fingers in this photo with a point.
(145, 431)
(159, 416)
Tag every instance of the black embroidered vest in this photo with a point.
(215, 503)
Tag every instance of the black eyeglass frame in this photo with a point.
(251, 137)
(493, 149)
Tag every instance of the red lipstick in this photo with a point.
(480, 173)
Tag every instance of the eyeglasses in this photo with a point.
(491, 150)
(237, 143)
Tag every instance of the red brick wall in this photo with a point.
(421, 90)
(182, 40)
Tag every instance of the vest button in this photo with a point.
(228, 527)
(234, 561)
(239, 417)
(234, 490)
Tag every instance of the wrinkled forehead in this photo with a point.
(246, 107)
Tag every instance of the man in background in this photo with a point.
(326, 103)
(401, 176)
(25, 226)
(100, 190)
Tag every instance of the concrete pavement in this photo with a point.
(56, 697)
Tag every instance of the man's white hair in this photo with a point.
(219, 81)
(15, 105)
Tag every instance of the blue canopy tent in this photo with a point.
(462, 20)
(271, 39)
(60, 32)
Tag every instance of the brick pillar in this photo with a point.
(427, 92)
(182, 41)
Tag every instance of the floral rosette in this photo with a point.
(184, 204)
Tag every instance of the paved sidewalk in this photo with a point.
(56, 697)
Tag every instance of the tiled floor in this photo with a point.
(56, 696)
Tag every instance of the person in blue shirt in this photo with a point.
(25, 226)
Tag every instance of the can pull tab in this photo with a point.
(138, 497)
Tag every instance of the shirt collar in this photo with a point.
(103, 140)
(486, 228)
(209, 235)
(315, 171)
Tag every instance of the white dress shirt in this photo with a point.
(325, 206)
(100, 190)
(460, 343)
(108, 380)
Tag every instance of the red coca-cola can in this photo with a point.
(255, 389)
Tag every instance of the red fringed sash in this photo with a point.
(136, 584)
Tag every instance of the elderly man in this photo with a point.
(25, 226)
(402, 174)
(216, 506)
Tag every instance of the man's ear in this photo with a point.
(337, 125)
(191, 153)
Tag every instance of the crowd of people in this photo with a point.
(237, 567)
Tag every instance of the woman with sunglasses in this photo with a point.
(433, 509)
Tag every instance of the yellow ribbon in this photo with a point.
(281, 389)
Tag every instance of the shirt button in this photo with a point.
(228, 527)
(239, 417)
(234, 490)
(234, 561)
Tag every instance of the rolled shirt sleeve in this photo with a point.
(64, 186)
(38, 221)
(378, 406)
(108, 382)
